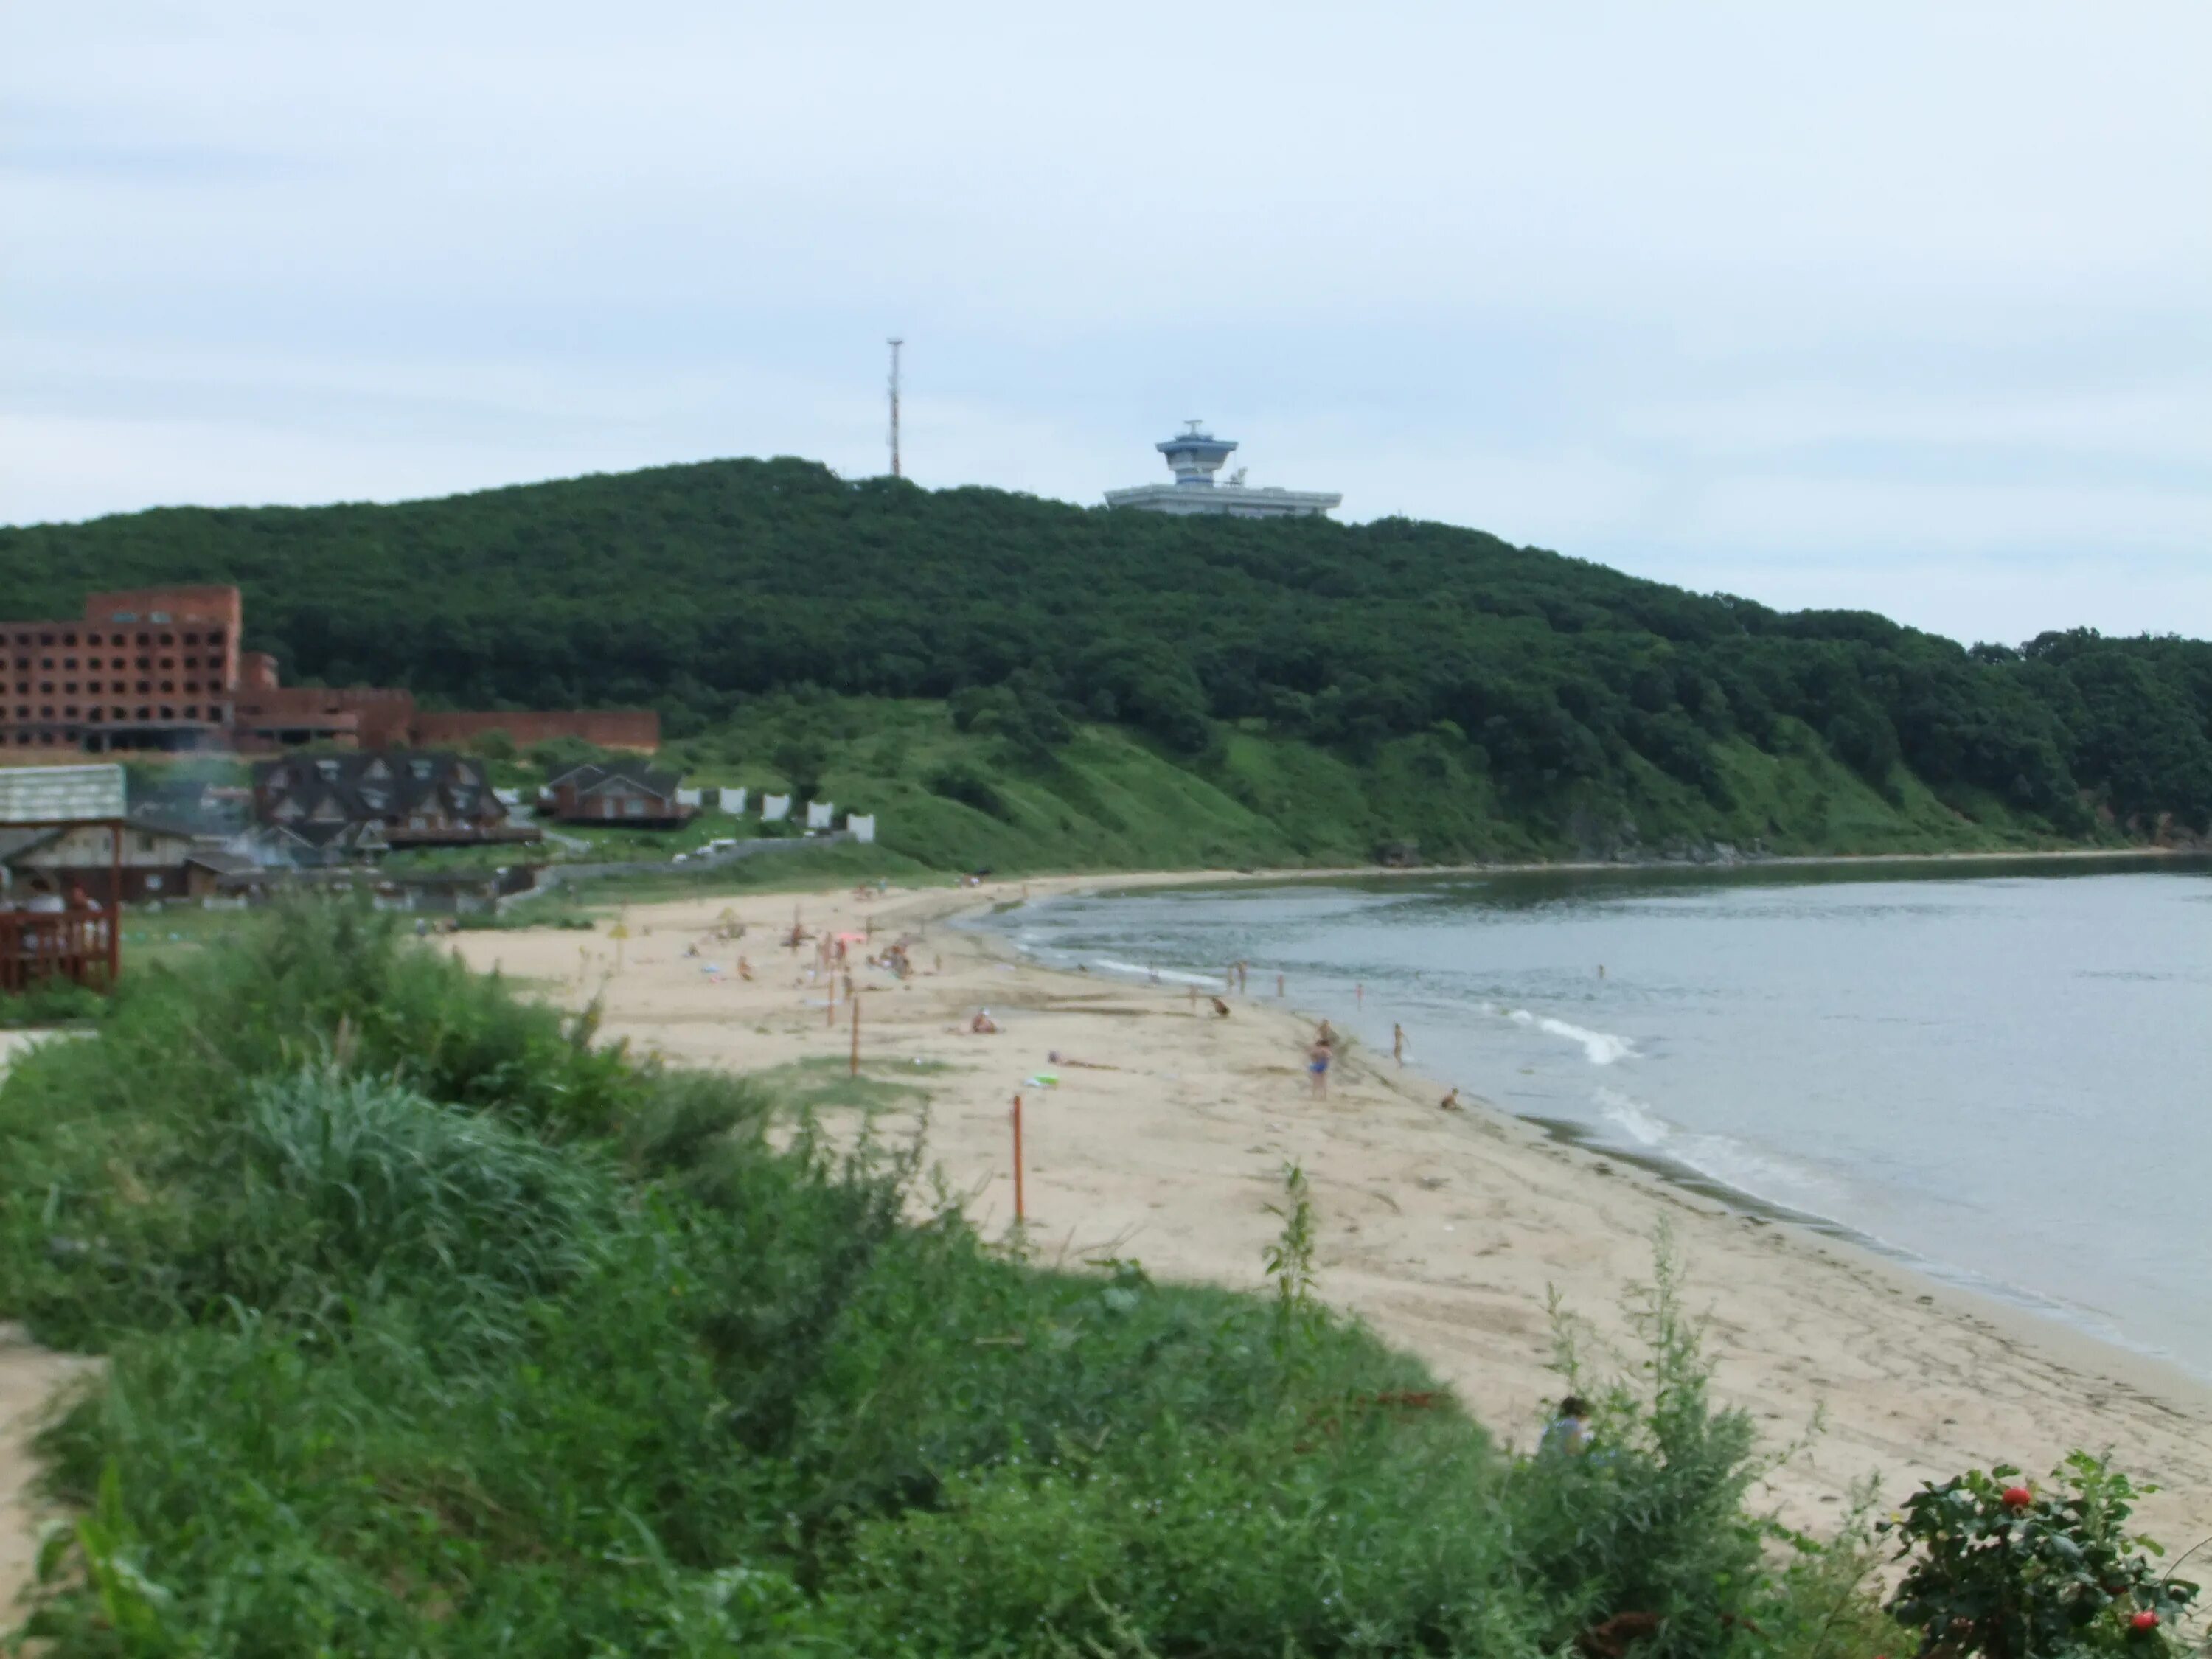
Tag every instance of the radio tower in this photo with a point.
(896, 343)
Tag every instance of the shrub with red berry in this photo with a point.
(2002, 1569)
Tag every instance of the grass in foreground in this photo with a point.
(436, 1328)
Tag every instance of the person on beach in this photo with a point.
(1569, 1431)
(1398, 1043)
(1317, 1067)
(983, 1024)
(1450, 1101)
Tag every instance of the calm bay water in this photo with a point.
(2006, 1075)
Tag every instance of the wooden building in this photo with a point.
(635, 796)
(368, 802)
(83, 858)
(61, 920)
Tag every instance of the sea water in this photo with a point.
(2003, 1074)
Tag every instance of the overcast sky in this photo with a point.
(1906, 307)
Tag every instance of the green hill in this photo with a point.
(1022, 680)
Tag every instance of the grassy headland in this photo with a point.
(1110, 798)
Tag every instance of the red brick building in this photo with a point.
(154, 668)
(160, 668)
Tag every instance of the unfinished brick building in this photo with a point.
(160, 668)
(153, 668)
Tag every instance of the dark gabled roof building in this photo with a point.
(369, 802)
(639, 796)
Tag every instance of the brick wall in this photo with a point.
(373, 717)
(609, 728)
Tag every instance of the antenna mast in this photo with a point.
(896, 343)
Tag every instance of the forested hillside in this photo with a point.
(1567, 697)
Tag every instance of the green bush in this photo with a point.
(2000, 1569)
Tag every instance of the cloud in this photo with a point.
(1895, 306)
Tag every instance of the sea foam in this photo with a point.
(1723, 1158)
(1166, 975)
(1599, 1048)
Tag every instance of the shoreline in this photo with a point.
(1164, 1138)
(2042, 1316)
(2158, 1371)
(1688, 1178)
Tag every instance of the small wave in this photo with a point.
(1599, 1048)
(1168, 975)
(1718, 1158)
(1633, 1118)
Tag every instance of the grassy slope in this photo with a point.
(1113, 799)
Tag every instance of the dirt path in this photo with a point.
(29, 1378)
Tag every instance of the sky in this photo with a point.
(1905, 307)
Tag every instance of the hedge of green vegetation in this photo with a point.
(1547, 683)
(433, 1327)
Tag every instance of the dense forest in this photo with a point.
(1557, 682)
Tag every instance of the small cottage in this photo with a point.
(82, 858)
(636, 796)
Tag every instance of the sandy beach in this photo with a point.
(1167, 1134)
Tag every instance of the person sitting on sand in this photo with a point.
(1569, 1431)
(1450, 1101)
(1220, 1006)
(983, 1024)
(744, 968)
(1317, 1067)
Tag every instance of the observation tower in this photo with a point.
(1194, 455)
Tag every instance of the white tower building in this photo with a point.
(1194, 455)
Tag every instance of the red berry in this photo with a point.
(2016, 1498)
(2144, 1620)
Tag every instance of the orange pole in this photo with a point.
(1017, 1159)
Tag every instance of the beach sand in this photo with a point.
(31, 1379)
(1166, 1138)
(1443, 1231)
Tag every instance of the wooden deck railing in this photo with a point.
(76, 945)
